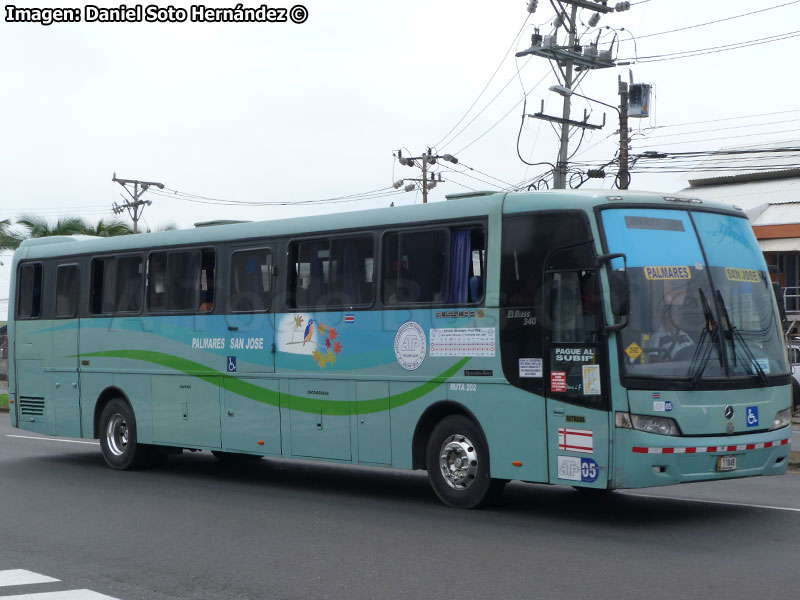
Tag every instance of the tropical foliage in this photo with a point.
(34, 226)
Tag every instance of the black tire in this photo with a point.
(235, 458)
(456, 446)
(118, 441)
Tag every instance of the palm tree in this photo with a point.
(9, 239)
(34, 226)
(37, 226)
(111, 228)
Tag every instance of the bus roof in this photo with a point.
(458, 206)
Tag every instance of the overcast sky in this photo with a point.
(296, 112)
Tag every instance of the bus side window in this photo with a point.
(101, 296)
(310, 271)
(331, 272)
(183, 280)
(29, 294)
(66, 291)
(467, 263)
(206, 281)
(350, 281)
(251, 280)
(130, 276)
(157, 282)
(414, 267)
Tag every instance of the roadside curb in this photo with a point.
(4, 409)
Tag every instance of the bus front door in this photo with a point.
(576, 386)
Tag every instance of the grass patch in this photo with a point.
(3, 400)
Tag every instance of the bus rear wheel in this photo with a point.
(118, 442)
(458, 464)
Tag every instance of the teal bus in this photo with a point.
(590, 339)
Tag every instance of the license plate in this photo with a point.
(726, 463)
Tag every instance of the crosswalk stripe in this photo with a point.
(22, 577)
(66, 595)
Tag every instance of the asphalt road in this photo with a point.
(280, 529)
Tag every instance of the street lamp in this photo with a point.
(624, 177)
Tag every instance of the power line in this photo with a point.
(712, 50)
(755, 12)
(497, 95)
(730, 137)
(717, 21)
(502, 60)
(704, 121)
(654, 137)
(482, 173)
(179, 195)
(501, 119)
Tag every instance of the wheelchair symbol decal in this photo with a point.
(752, 416)
(231, 364)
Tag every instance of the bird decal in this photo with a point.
(309, 331)
(327, 346)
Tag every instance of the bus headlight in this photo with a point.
(782, 419)
(659, 425)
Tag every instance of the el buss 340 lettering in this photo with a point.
(293, 344)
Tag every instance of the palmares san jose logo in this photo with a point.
(154, 13)
(303, 334)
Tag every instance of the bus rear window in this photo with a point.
(29, 291)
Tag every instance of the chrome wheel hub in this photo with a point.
(117, 435)
(458, 462)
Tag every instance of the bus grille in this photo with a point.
(31, 406)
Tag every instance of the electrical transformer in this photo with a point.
(639, 100)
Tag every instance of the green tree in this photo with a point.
(35, 226)
(9, 239)
(111, 228)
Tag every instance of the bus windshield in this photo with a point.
(701, 301)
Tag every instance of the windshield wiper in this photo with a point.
(709, 329)
(733, 333)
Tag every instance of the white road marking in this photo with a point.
(784, 508)
(67, 595)
(51, 439)
(22, 577)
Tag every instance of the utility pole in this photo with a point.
(560, 176)
(624, 172)
(136, 207)
(427, 158)
(570, 58)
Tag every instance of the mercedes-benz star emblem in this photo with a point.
(729, 412)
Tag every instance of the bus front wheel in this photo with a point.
(118, 442)
(458, 464)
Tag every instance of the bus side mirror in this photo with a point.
(620, 290)
(620, 293)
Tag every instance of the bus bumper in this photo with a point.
(649, 460)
